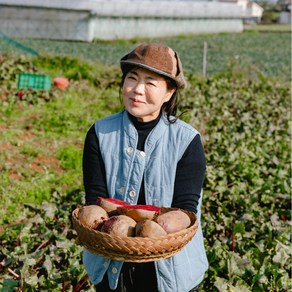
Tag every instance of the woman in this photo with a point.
(144, 155)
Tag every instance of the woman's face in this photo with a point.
(144, 92)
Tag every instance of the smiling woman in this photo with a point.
(144, 92)
(146, 155)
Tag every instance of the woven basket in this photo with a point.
(134, 249)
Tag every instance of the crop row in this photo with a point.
(268, 52)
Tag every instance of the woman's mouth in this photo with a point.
(136, 100)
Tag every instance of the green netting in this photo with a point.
(15, 44)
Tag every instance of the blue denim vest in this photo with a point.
(125, 166)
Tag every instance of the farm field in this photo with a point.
(266, 52)
(242, 109)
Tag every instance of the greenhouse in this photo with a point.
(87, 20)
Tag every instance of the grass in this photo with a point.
(268, 28)
(42, 141)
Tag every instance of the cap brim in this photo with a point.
(133, 63)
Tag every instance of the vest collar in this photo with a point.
(153, 136)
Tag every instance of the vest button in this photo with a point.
(130, 149)
(114, 270)
(105, 264)
(132, 194)
(142, 153)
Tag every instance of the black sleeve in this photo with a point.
(189, 178)
(93, 169)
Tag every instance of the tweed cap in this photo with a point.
(157, 58)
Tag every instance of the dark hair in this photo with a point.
(169, 107)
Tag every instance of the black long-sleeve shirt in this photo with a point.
(189, 174)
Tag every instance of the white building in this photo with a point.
(86, 20)
(285, 15)
(253, 11)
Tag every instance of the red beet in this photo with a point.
(149, 228)
(173, 221)
(92, 215)
(139, 212)
(110, 204)
(120, 225)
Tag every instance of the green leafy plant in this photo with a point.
(243, 115)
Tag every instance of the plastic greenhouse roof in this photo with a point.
(128, 8)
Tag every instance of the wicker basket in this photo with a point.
(134, 249)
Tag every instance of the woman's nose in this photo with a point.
(140, 87)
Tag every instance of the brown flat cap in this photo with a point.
(157, 58)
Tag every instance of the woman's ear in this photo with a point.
(169, 94)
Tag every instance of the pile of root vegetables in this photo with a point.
(120, 218)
